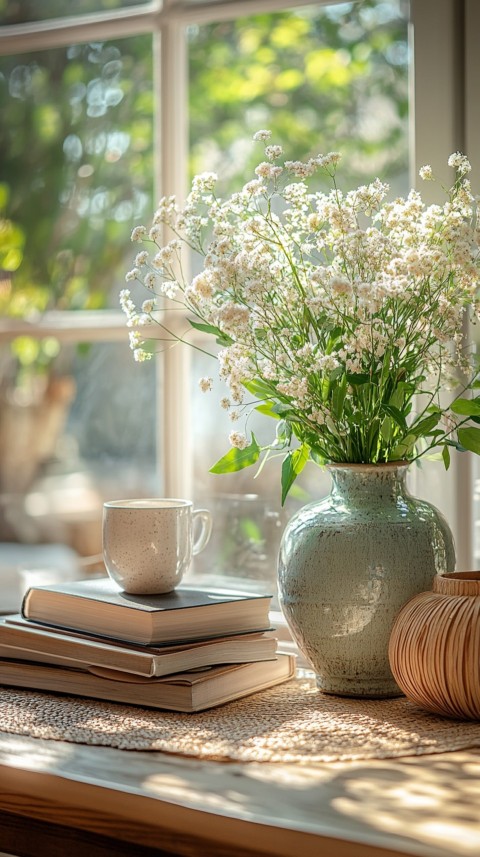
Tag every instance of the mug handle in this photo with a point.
(206, 528)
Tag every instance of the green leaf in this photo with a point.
(317, 457)
(426, 425)
(283, 431)
(267, 408)
(204, 328)
(470, 439)
(446, 456)
(260, 333)
(281, 408)
(338, 397)
(335, 335)
(220, 337)
(386, 429)
(237, 459)
(396, 415)
(466, 407)
(404, 448)
(357, 379)
(335, 373)
(397, 397)
(325, 388)
(259, 388)
(293, 464)
(455, 445)
(385, 367)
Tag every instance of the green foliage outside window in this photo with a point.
(319, 79)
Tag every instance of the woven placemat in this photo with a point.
(293, 722)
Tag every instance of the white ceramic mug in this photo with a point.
(148, 544)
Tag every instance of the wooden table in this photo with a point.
(69, 800)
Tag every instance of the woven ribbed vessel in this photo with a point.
(434, 648)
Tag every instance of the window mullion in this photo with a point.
(174, 435)
(438, 129)
(472, 148)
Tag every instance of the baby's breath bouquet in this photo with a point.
(338, 314)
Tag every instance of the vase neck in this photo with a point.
(369, 482)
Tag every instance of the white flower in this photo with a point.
(300, 169)
(205, 384)
(233, 318)
(140, 355)
(205, 182)
(238, 439)
(254, 188)
(148, 306)
(169, 288)
(327, 363)
(128, 307)
(268, 171)
(141, 258)
(155, 233)
(329, 160)
(460, 162)
(202, 285)
(262, 135)
(273, 152)
(138, 233)
(135, 339)
(150, 280)
(426, 173)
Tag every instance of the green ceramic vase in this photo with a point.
(348, 564)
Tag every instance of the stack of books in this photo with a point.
(188, 650)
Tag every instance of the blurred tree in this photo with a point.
(75, 152)
(322, 79)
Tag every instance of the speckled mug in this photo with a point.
(148, 544)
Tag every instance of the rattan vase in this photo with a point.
(434, 648)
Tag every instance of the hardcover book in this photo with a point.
(187, 691)
(24, 640)
(99, 607)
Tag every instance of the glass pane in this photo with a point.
(25, 11)
(69, 200)
(76, 143)
(83, 434)
(321, 79)
(68, 447)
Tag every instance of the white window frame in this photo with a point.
(444, 118)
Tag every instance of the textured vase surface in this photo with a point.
(435, 647)
(348, 564)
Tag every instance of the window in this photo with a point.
(97, 104)
(68, 201)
